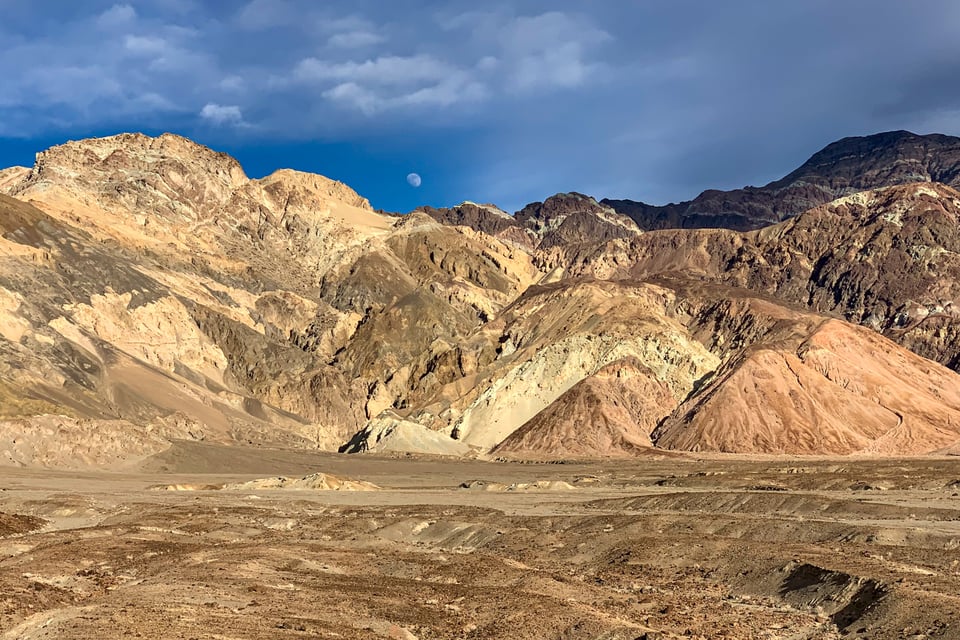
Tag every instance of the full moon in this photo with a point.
(414, 180)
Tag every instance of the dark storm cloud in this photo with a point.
(650, 99)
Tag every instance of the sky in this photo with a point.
(500, 102)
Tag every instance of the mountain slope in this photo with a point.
(888, 259)
(88, 337)
(838, 390)
(610, 413)
(840, 169)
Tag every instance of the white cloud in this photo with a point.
(552, 50)
(513, 55)
(79, 86)
(561, 67)
(456, 88)
(145, 45)
(354, 39)
(222, 115)
(119, 15)
(153, 102)
(232, 83)
(386, 70)
(352, 94)
(537, 34)
(343, 24)
(488, 63)
(392, 82)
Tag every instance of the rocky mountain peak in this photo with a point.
(573, 218)
(879, 160)
(841, 168)
(555, 209)
(168, 174)
(481, 217)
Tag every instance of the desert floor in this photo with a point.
(647, 548)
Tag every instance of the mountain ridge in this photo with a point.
(855, 163)
(148, 287)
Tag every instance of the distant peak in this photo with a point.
(884, 139)
(486, 207)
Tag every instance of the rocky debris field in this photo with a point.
(781, 548)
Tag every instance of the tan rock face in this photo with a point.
(173, 198)
(147, 285)
(12, 176)
(161, 333)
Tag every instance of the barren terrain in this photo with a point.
(651, 547)
(566, 426)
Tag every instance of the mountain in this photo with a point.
(558, 221)
(888, 259)
(841, 168)
(610, 413)
(151, 291)
(830, 388)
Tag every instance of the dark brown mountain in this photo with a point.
(841, 168)
(560, 220)
(482, 217)
(573, 218)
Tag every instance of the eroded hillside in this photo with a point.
(151, 291)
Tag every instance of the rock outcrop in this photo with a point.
(12, 176)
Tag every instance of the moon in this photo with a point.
(414, 180)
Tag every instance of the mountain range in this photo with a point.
(151, 291)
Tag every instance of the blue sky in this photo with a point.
(503, 102)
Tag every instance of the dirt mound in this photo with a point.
(312, 482)
(388, 433)
(841, 390)
(609, 413)
(14, 523)
(845, 598)
(522, 487)
(70, 443)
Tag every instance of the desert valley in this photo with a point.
(260, 408)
